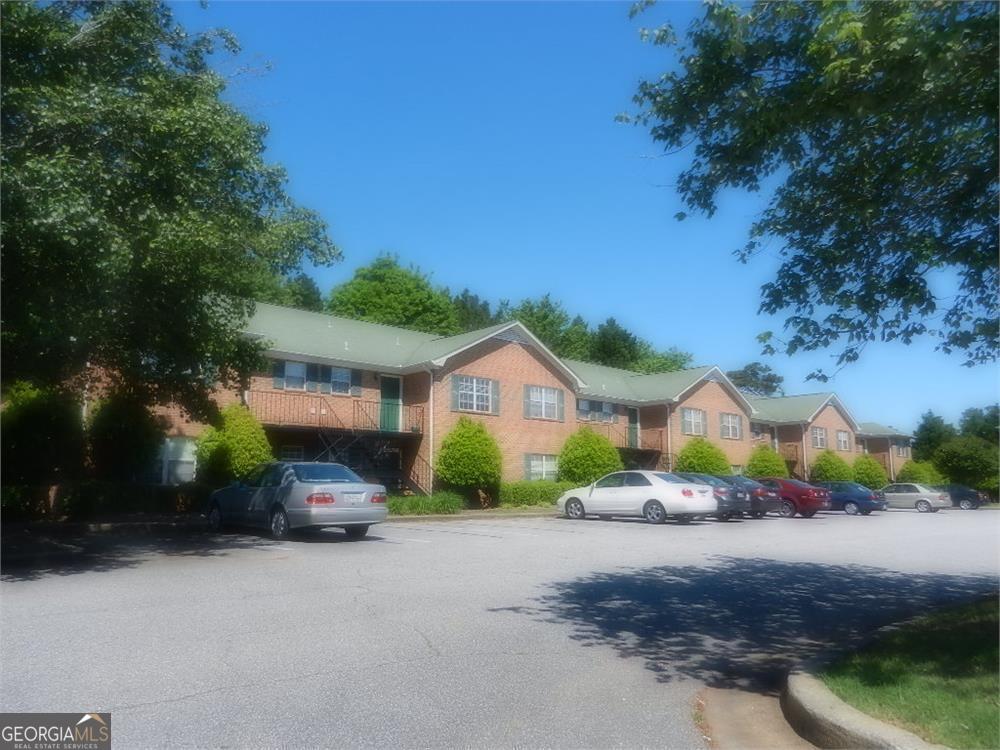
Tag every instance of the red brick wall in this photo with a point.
(830, 418)
(713, 399)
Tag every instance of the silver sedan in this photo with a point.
(284, 496)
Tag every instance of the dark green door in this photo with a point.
(391, 406)
(633, 428)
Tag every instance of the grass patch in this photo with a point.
(441, 503)
(937, 677)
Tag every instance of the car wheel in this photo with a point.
(279, 524)
(866, 512)
(653, 512)
(574, 510)
(923, 506)
(723, 516)
(215, 518)
(787, 509)
(758, 514)
(851, 508)
(935, 510)
(356, 532)
(807, 513)
(683, 519)
(966, 505)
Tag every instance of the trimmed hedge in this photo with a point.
(470, 458)
(124, 437)
(765, 462)
(587, 456)
(829, 467)
(869, 472)
(41, 435)
(445, 503)
(93, 500)
(538, 492)
(230, 452)
(701, 456)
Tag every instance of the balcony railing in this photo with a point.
(622, 437)
(333, 413)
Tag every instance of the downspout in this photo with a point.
(670, 463)
(805, 463)
(430, 429)
(892, 468)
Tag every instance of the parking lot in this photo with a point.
(488, 632)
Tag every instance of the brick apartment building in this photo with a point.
(382, 399)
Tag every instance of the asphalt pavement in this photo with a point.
(528, 632)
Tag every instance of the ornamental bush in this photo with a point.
(968, 460)
(124, 437)
(869, 472)
(41, 434)
(233, 449)
(470, 459)
(703, 457)
(765, 462)
(921, 472)
(829, 467)
(587, 456)
(534, 492)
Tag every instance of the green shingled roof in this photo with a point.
(625, 385)
(783, 409)
(874, 429)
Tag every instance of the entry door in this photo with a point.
(391, 408)
(633, 427)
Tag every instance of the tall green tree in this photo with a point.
(757, 379)
(385, 292)
(304, 293)
(652, 361)
(879, 122)
(547, 319)
(982, 423)
(931, 434)
(575, 341)
(138, 212)
(614, 346)
(471, 311)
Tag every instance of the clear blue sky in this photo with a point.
(478, 141)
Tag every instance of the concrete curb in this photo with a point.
(816, 714)
(471, 517)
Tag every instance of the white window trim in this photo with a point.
(730, 423)
(474, 382)
(549, 466)
(547, 396)
(296, 365)
(844, 445)
(819, 437)
(687, 411)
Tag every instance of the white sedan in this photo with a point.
(652, 495)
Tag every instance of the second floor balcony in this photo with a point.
(300, 409)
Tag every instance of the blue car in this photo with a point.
(853, 498)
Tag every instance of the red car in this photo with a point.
(798, 497)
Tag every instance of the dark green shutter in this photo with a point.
(355, 382)
(560, 405)
(454, 392)
(495, 385)
(278, 373)
(527, 402)
(614, 413)
(312, 377)
(325, 375)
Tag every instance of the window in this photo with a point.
(595, 411)
(340, 380)
(692, 421)
(475, 394)
(900, 449)
(295, 376)
(736, 470)
(843, 440)
(732, 426)
(819, 437)
(542, 403)
(632, 479)
(325, 473)
(611, 480)
(292, 453)
(758, 431)
(540, 466)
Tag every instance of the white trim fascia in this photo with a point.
(833, 397)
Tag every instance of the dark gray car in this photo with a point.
(284, 496)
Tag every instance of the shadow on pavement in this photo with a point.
(27, 557)
(740, 623)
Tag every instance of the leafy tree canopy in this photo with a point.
(124, 437)
(968, 460)
(614, 346)
(385, 292)
(880, 121)
(651, 361)
(931, 434)
(982, 423)
(138, 213)
(921, 472)
(546, 319)
(472, 312)
(757, 379)
(575, 341)
(299, 291)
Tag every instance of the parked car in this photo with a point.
(963, 497)
(919, 496)
(286, 496)
(763, 500)
(733, 502)
(853, 498)
(653, 495)
(798, 497)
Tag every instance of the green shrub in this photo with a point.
(829, 467)
(703, 457)
(587, 456)
(470, 458)
(538, 492)
(41, 435)
(921, 472)
(93, 499)
(124, 437)
(440, 503)
(869, 472)
(232, 450)
(968, 460)
(765, 462)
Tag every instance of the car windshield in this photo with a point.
(324, 473)
(707, 479)
(673, 478)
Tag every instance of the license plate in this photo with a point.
(354, 498)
